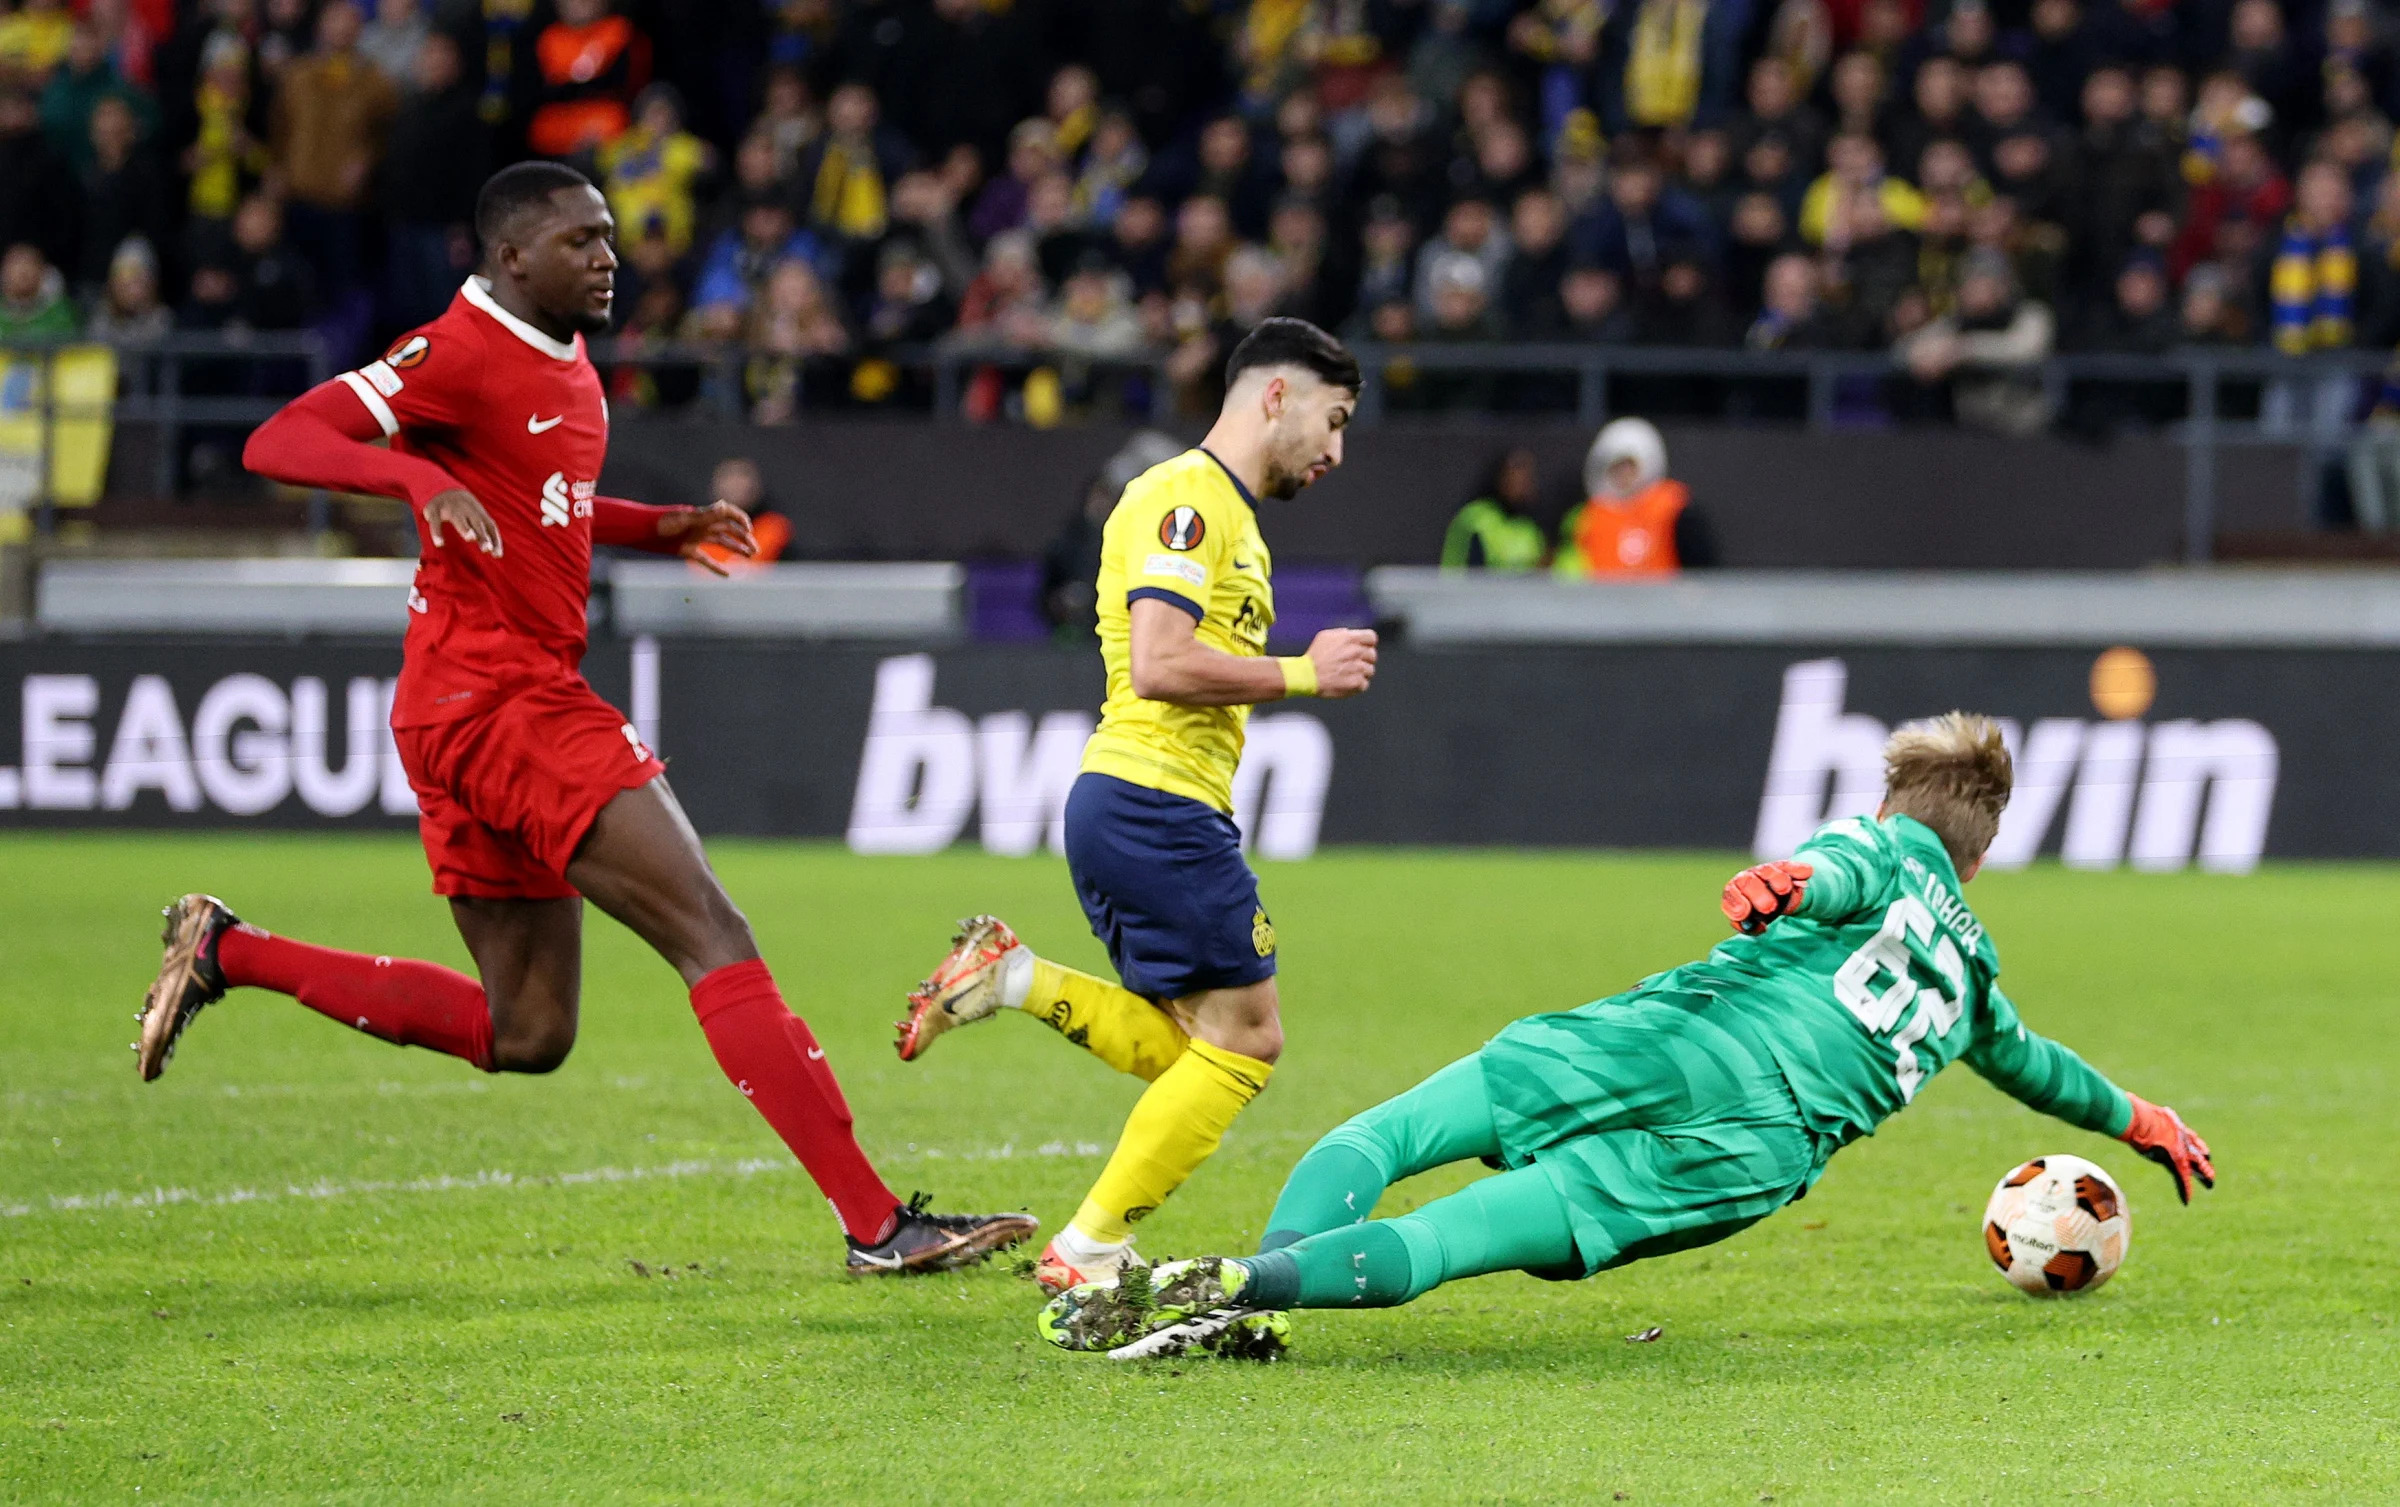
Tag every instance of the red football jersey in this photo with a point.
(520, 420)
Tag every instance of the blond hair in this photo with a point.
(1952, 773)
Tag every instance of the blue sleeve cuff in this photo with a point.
(1171, 598)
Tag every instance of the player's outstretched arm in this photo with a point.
(323, 439)
(2043, 1075)
(688, 532)
(1169, 663)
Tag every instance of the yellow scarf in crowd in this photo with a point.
(1662, 76)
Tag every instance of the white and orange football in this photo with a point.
(2057, 1225)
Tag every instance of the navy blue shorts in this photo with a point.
(1162, 879)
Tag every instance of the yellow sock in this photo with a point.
(1174, 1128)
(1107, 1020)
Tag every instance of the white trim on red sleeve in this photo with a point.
(374, 401)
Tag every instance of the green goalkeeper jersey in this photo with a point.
(1880, 980)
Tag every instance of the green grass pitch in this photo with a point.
(306, 1265)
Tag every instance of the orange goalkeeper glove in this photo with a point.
(1758, 895)
(2161, 1135)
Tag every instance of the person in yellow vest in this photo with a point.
(1638, 521)
(1495, 531)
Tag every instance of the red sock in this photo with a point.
(406, 1002)
(771, 1056)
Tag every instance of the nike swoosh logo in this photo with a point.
(816, 1054)
(887, 1263)
(1241, 565)
(543, 426)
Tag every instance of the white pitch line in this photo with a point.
(322, 1188)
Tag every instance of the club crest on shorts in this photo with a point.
(1262, 933)
(1182, 529)
(408, 352)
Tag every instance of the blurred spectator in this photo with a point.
(592, 65)
(225, 160)
(2313, 292)
(788, 118)
(2374, 461)
(1793, 316)
(1204, 241)
(85, 77)
(909, 306)
(1003, 305)
(394, 41)
(1939, 113)
(845, 178)
(1496, 530)
(1470, 230)
(35, 39)
(2315, 278)
(740, 259)
(1635, 520)
(1230, 173)
(926, 216)
(37, 189)
(1296, 237)
(440, 154)
(1983, 354)
(33, 297)
(2209, 315)
(1537, 260)
(130, 309)
(1778, 111)
(1387, 273)
(1592, 300)
(332, 108)
(1112, 164)
(793, 327)
(1140, 245)
(1094, 318)
(1071, 562)
(2139, 320)
(1856, 88)
(652, 171)
(738, 480)
(1640, 217)
(124, 194)
(1685, 308)
(1032, 152)
(1757, 233)
(1854, 170)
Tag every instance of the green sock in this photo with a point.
(1363, 1266)
(1333, 1186)
(1516, 1221)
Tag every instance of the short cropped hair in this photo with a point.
(1283, 341)
(511, 191)
(1952, 773)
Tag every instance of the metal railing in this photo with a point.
(229, 379)
(1836, 390)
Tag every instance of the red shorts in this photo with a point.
(504, 796)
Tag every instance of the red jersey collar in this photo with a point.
(479, 293)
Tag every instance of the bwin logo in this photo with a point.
(2138, 788)
(926, 768)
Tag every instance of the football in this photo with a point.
(2057, 1225)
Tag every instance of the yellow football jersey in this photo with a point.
(1185, 533)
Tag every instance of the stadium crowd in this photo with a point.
(1969, 183)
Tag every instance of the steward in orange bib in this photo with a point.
(1638, 521)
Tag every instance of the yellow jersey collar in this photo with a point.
(1238, 489)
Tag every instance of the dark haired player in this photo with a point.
(1185, 606)
(533, 792)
